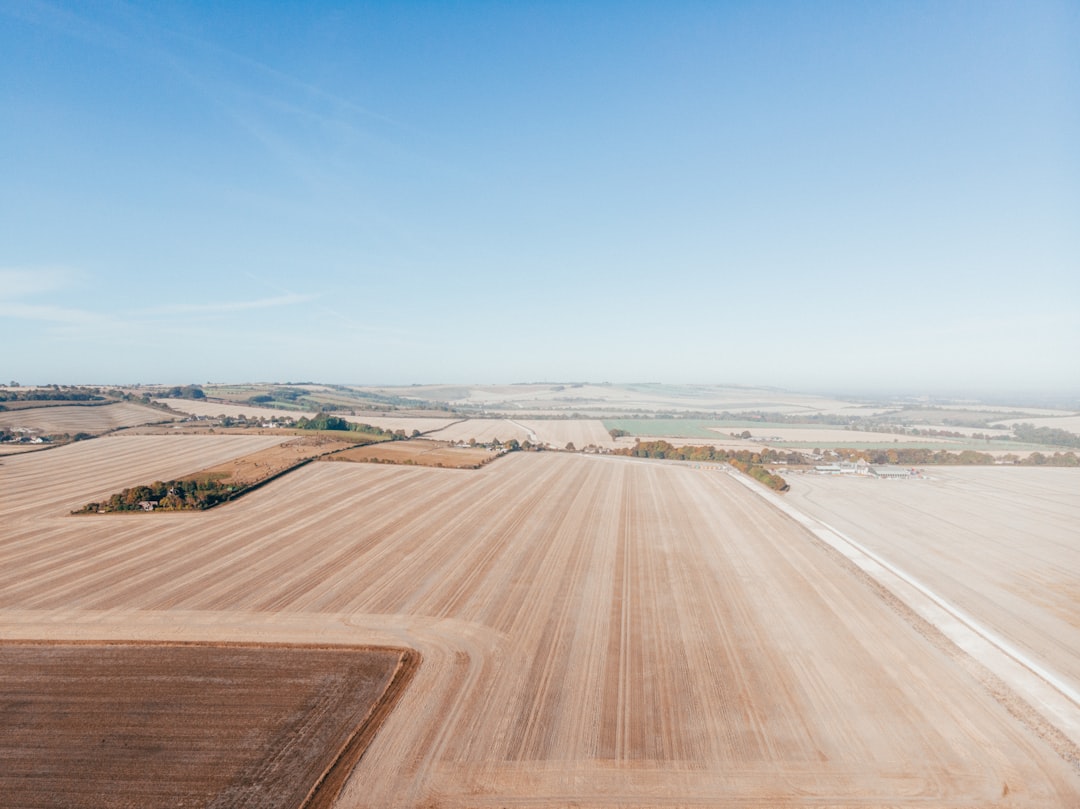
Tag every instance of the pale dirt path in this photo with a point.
(595, 631)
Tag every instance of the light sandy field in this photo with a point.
(483, 430)
(198, 407)
(213, 409)
(19, 449)
(594, 631)
(68, 477)
(570, 398)
(419, 451)
(406, 423)
(827, 437)
(1070, 423)
(82, 419)
(1033, 411)
(557, 433)
(1001, 544)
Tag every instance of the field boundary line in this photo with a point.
(834, 538)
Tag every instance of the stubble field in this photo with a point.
(1001, 544)
(595, 631)
(91, 419)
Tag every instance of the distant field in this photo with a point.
(788, 436)
(163, 725)
(1070, 423)
(82, 418)
(201, 407)
(558, 432)
(214, 409)
(483, 430)
(420, 453)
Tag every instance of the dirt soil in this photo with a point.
(250, 469)
(73, 419)
(596, 631)
(1003, 544)
(159, 725)
(419, 452)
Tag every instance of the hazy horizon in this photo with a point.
(843, 197)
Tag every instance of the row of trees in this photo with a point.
(743, 460)
(324, 421)
(171, 495)
(929, 457)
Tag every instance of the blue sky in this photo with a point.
(809, 195)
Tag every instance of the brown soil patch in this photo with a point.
(267, 463)
(419, 452)
(148, 725)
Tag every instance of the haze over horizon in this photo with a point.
(832, 197)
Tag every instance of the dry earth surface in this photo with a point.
(1069, 422)
(595, 631)
(213, 409)
(569, 398)
(483, 430)
(164, 725)
(265, 463)
(1002, 544)
(82, 418)
(558, 433)
(826, 437)
(420, 452)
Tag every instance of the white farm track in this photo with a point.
(595, 631)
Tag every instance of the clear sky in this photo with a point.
(808, 195)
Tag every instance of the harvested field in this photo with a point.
(214, 409)
(557, 433)
(68, 477)
(1070, 423)
(248, 470)
(163, 725)
(419, 452)
(596, 631)
(483, 430)
(827, 437)
(1001, 544)
(406, 423)
(18, 449)
(73, 419)
(200, 407)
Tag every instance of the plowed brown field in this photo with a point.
(163, 725)
(595, 632)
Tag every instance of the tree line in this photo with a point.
(743, 460)
(171, 495)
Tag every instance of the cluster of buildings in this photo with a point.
(865, 469)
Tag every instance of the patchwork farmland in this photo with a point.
(592, 631)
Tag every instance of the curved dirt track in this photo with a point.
(595, 632)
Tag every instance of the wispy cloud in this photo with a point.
(18, 282)
(50, 314)
(290, 299)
